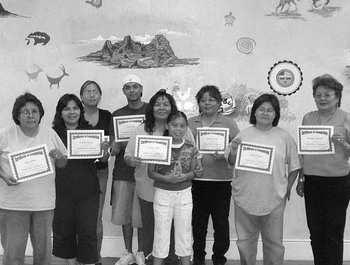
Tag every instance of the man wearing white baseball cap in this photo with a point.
(125, 204)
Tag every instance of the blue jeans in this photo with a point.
(102, 175)
(15, 227)
(271, 227)
(211, 198)
(326, 201)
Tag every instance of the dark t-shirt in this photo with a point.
(104, 118)
(78, 180)
(121, 170)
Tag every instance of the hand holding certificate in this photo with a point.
(255, 157)
(315, 140)
(30, 163)
(153, 149)
(211, 140)
(84, 144)
(125, 125)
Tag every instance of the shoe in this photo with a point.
(125, 259)
(198, 262)
(140, 258)
(99, 263)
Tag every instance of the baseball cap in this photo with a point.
(132, 79)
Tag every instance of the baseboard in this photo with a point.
(296, 249)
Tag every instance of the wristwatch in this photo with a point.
(301, 179)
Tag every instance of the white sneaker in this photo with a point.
(140, 258)
(125, 259)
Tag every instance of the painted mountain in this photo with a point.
(132, 54)
(5, 13)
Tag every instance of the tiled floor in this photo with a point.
(111, 261)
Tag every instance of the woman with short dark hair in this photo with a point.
(77, 192)
(27, 207)
(212, 190)
(260, 197)
(327, 180)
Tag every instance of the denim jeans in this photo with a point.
(102, 175)
(326, 201)
(211, 198)
(271, 228)
(15, 227)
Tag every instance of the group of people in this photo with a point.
(170, 205)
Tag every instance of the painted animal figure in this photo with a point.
(34, 75)
(282, 3)
(325, 5)
(57, 80)
(38, 37)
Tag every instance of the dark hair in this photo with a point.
(266, 98)
(150, 121)
(330, 82)
(213, 91)
(89, 82)
(58, 123)
(178, 114)
(21, 101)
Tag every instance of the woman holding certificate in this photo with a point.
(28, 150)
(262, 155)
(90, 94)
(326, 176)
(212, 191)
(160, 106)
(77, 190)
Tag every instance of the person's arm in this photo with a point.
(291, 178)
(10, 180)
(61, 160)
(233, 147)
(105, 149)
(300, 186)
(343, 140)
(172, 177)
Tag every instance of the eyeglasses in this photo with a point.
(28, 112)
(267, 111)
(326, 96)
(209, 100)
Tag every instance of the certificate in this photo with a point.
(211, 140)
(84, 144)
(154, 149)
(315, 140)
(255, 157)
(125, 125)
(30, 163)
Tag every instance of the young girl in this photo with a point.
(173, 198)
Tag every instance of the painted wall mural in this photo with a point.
(49, 48)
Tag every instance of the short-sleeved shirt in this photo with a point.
(144, 184)
(184, 155)
(121, 170)
(33, 195)
(214, 170)
(104, 117)
(327, 165)
(78, 180)
(260, 193)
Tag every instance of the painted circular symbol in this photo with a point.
(245, 45)
(285, 77)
